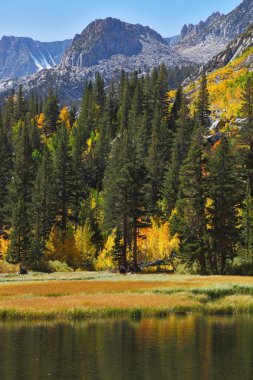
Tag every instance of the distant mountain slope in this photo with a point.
(202, 42)
(234, 50)
(190, 32)
(105, 46)
(171, 41)
(21, 56)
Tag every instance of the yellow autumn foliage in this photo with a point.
(225, 87)
(64, 117)
(104, 260)
(41, 120)
(156, 242)
(83, 242)
(90, 142)
(4, 243)
(64, 251)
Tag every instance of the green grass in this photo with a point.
(214, 292)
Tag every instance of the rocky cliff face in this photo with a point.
(234, 50)
(202, 42)
(105, 39)
(190, 32)
(21, 56)
(171, 41)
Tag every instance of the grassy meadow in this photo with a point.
(81, 295)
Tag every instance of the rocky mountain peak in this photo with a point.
(105, 38)
(190, 31)
(202, 42)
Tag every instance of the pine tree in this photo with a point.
(20, 105)
(247, 224)
(202, 105)
(123, 113)
(87, 117)
(247, 130)
(143, 135)
(51, 111)
(43, 205)
(21, 197)
(9, 112)
(222, 190)
(191, 216)
(123, 194)
(157, 159)
(62, 178)
(180, 149)
(109, 119)
(5, 172)
(99, 94)
(79, 185)
(175, 109)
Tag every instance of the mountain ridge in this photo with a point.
(96, 51)
(211, 40)
(21, 56)
(107, 46)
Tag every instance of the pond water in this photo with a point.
(178, 348)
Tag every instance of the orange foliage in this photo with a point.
(214, 146)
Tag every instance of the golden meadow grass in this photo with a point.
(100, 295)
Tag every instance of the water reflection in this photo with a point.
(178, 348)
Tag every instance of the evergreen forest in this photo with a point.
(130, 177)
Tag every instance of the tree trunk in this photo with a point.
(135, 244)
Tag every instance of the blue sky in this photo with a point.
(48, 20)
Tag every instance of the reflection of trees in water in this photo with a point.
(191, 347)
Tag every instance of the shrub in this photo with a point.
(240, 267)
(58, 266)
(185, 268)
(40, 266)
(8, 268)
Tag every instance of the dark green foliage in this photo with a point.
(202, 105)
(191, 205)
(9, 112)
(124, 107)
(223, 183)
(20, 193)
(87, 118)
(20, 106)
(157, 159)
(99, 93)
(43, 205)
(175, 109)
(62, 177)
(247, 130)
(177, 75)
(78, 145)
(180, 148)
(51, 111)
(5, 172)
(247, 225)
(123, 193)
